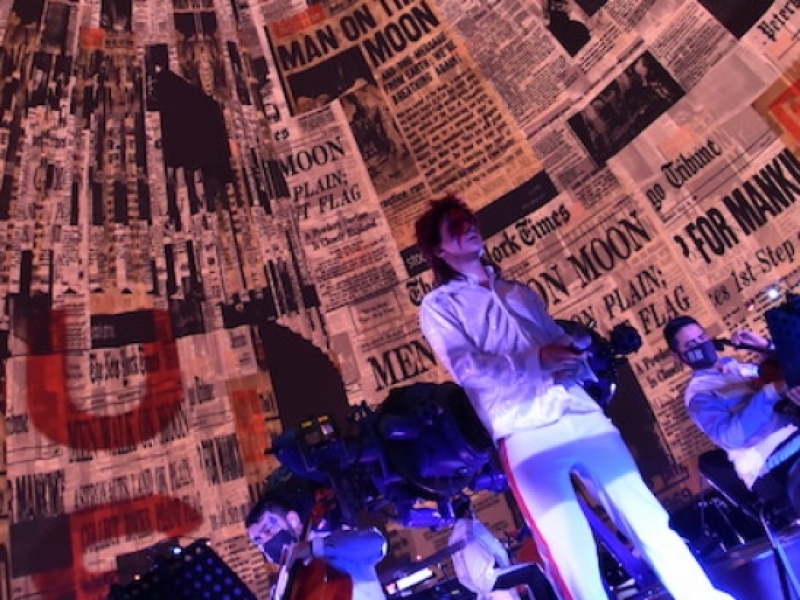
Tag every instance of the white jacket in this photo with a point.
(481, 334)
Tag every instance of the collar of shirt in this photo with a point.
(468, 279)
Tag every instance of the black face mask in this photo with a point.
(702, 356)
(273, 549)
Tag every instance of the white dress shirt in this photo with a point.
(481, 334)
(738, 414)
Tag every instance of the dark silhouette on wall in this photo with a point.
(193, 128)
(304, 379)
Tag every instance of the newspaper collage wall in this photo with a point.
(176, 174)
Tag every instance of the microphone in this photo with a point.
(721, 343)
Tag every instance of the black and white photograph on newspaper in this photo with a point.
(591, 6)
(117, 15)
(385, 153)
(21, 33)
(347, 76)
(55, 27)
(566, 22)
(318, 85)
(630, 103)
(40, 78)
(192, 4)
(199, 51)
(738, 16)
(333, 6)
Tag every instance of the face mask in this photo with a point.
(703, 356)
(273, 549)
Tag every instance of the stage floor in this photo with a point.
(747, 572)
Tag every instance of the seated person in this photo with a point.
(482, 565)
(287, 526)
(729, 403)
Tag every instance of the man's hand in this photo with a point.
(751, 338)
(558, 357)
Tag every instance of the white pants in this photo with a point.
(538, 464)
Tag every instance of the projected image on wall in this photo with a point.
(643, 92)
(738, 16)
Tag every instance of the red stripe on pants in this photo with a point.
(541, 542)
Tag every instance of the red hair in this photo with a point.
(429, 233)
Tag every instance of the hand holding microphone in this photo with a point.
(568, 362)
(744, 339)
(559, 356)
(750, 340)
(769, 370)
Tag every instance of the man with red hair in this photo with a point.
(521, 373)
